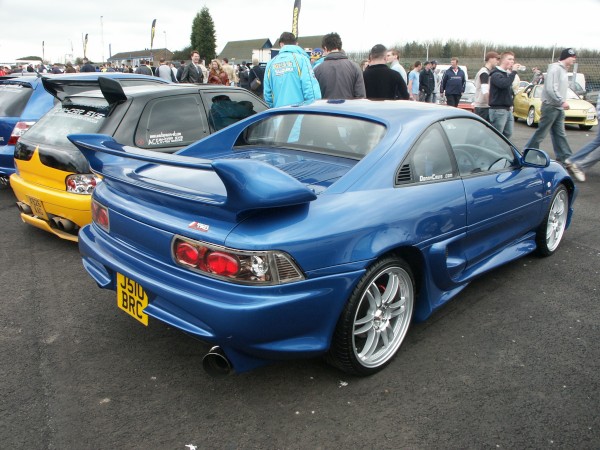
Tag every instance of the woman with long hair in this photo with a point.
(217, 75)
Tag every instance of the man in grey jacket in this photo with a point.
(554, 103)
(338, 77)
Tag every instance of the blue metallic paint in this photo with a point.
(450, 231)
(39, 103)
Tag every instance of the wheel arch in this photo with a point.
(414, 258)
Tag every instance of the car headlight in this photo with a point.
(591, 113)
(238, 266)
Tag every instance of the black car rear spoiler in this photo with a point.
(111, 89)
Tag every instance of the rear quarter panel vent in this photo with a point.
(404, 175)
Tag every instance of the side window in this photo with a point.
(428, 161)
(228, 107)
(174, 121)
(477, 147)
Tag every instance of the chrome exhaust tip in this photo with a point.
(216, 364)
(54, 221)
(24, 208)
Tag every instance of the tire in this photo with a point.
(375, 320)
(530, 117)
(550, 233)
(585, 127)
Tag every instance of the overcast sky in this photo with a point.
(125, 25)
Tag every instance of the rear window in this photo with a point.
(336, 135)
(13, 99)
(65, 119)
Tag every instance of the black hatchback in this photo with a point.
(53, 182)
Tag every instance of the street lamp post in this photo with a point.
(102, 37)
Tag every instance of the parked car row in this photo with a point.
(527, 105)
(311, 230)
(53, 182)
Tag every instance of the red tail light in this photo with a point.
(100, 215)
(223, 264)
(18, 130)
(238, 266)
(187, 254)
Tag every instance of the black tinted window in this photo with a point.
(13, 99)
(173, 121)
(226, 108)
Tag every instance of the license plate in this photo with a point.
(132, 298)
(37, 207)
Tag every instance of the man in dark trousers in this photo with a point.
(426, 84)
(381, 82)
(453, 83)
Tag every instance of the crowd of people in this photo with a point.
(293, 76)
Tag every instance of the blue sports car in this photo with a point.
(321, 229)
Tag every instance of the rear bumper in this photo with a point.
(58, 204)
(252, 325)
(7, 162)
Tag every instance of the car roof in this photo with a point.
(31, 80)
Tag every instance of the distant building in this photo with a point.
(263, 49)
(134, 57)
(239, 51)
(306, 42)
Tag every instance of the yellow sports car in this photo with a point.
(528, 104)
(53, 182)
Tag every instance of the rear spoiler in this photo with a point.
(250, 184)
(60, 88)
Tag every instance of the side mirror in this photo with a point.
(533, 157)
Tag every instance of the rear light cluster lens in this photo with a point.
(82, 183)
(100, 216)
(259, 268)
(18, 130)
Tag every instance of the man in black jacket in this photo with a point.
(426, 84)
(87, 67)
(381, 82)
(256, 73)
(192, 73)
(501, 94)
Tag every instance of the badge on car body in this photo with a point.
(198, 226)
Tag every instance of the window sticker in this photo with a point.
(82, 114)
(435, 177)
(165, 138)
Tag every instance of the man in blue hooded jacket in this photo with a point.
(289, 77)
